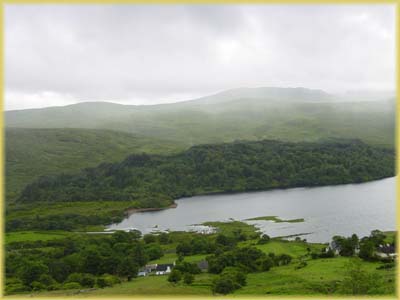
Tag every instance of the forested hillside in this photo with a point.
(155, 180)
(31, 153)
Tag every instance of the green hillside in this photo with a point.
(290, 114)
(64, 139)
(155, 180)
(35, 152)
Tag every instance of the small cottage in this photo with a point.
(163, 269)
(386, 251)
(150, 268)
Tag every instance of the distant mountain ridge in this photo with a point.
(246, 113)
(227, 95)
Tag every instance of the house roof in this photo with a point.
(203, 265)
(387, 248)
(164, 267)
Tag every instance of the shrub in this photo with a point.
(283, 259)
(264, 239)
(186, 267)
(223, 285)
(175, 276)
(37, 286)
(16, 288)
(46, 279)
(107, 280)
(149, 238)
(230, 280)
(301, 264)
(71, 286)
(163, 238)
(84, 279)
(188, 278)
(266, 264)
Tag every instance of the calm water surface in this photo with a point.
(328, 211)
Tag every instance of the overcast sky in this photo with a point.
(145, 54)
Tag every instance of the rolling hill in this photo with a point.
(291, 114)
(36, 152)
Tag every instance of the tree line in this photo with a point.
(155, 180)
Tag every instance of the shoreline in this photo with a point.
(131, 211)
(282, 188)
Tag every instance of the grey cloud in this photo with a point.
(154, 53)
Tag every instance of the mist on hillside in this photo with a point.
(294, 114)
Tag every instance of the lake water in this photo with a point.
(327, 211)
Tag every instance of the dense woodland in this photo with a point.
(155, 180)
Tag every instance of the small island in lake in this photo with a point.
(275, 219)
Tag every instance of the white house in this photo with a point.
(163, 269)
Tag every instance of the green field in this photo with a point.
(32, 236)
(317, 278)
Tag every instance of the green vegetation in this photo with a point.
(32, 236)
(100, 195)
(275, 219)
(237, 264)
(31, 153)
(154, 180)
(62, 182)
(83, 216)
(233, 228)
(290, 114)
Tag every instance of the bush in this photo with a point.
(46, 280)
(223, 285)
(301, 265)
(31, 271)
(237, 274)
(149, 238)
(188, 278)
(107, 280)
(16, 288)
(358, 281)
(266, 264)
(230, 280)
(163, 238)
(154, 251)
(327, 254)
(37, 286)
(283, 259)
(387, 266)
(54, 286)
(186, 267)
(71, 286)
(102, 283)
(84, 279)
(175, 276)
(264, 239)
(88, 280)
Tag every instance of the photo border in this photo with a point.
(3, 3)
